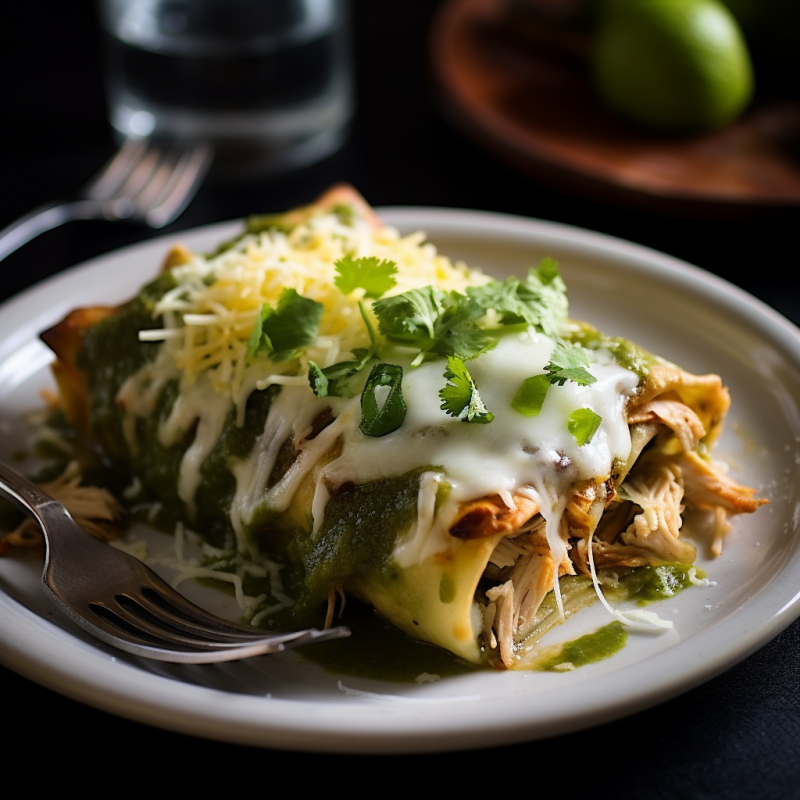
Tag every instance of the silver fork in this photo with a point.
(123, 602)
(150, 182)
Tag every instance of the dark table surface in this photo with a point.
(738, 735)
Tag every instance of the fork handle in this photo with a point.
(45, 218)
(48, 513)
(29, 497)
(21, 491)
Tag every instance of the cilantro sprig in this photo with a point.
(371, 274)
(282, 333)
(434, 321)
(460, 396)
(540, 300)
(545, 294)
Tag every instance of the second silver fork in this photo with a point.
(148, 181)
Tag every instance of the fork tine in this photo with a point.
(149, 598)
(183, 184)
(161, 184)
(163, 602)
(122, 204)
(116, 171)
(183, 616)
(164, 167)
(132, 615)
(112, 628)
(115, 630)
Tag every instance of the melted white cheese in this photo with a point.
(198, 404)
(511, 451)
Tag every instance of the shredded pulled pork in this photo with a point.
(708, 486)
(641, 525)
(93, 508)
(685, 424)
(525, 565)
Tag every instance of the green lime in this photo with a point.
(672, 65)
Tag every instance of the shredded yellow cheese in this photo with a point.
(210, 314)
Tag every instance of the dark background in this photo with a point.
(736, 736)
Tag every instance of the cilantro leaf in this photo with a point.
(455, 332)
(583, 425)
(569, 363)
(540, 301)
(434, 321)
(530, 396)
(374, 276)
(257, 343)
(502, 297)
(410, 318)
(284, 332)
(382, 412)
(460, 396)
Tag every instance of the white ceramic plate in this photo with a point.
(678, 311)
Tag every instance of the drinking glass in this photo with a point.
(267, 82)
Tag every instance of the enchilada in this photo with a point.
(331, 396)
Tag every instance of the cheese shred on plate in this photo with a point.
(327, 394)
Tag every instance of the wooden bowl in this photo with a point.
(524, 92)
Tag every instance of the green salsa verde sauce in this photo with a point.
(112, 353)
(587, 649)
(645, 585)
(378, 650)
(358, 534)
(626, 353)
(652, 583)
